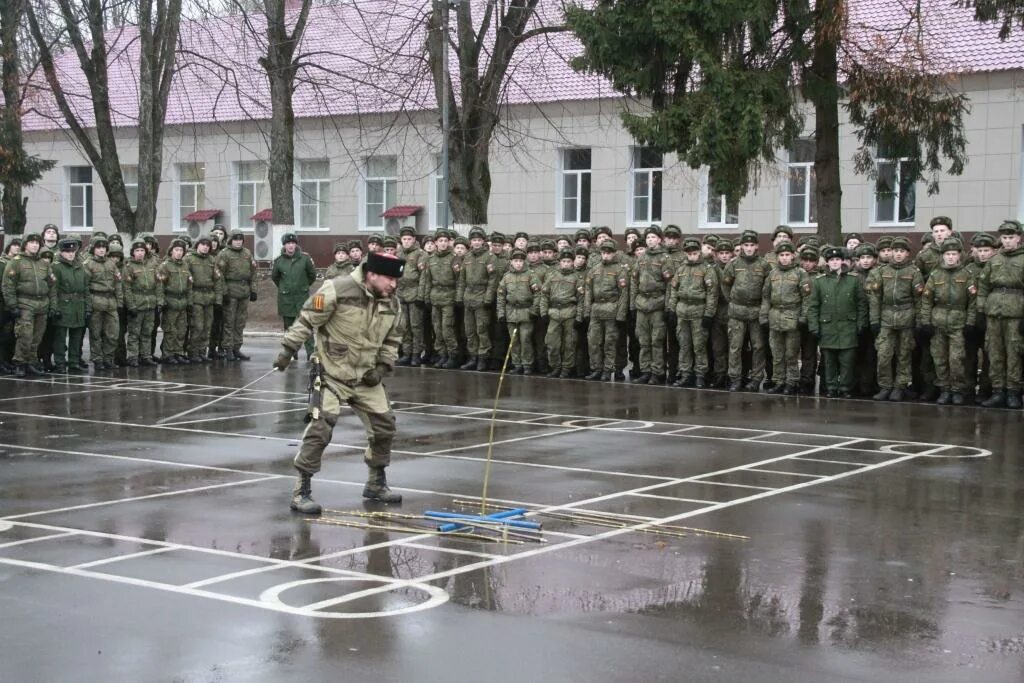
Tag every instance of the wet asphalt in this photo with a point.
(883, 542)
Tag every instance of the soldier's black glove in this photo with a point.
(707, 322)
(926, 331)
(373, 377)
(802, 326)
(816, 334)
(252, 297)
(981, 322)
(875, 329)
(283, 360)
(53, 315)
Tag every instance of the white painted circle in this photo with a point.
(438, 596)
(607, 423)
(981, 453)
(6, 526)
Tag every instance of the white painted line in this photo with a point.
(764, 435)
(119, 558)
(60, 393)
(171, 463)
(453, 551)
(37, 538)
(791, 474)
(237, 417)
(835, 462)
(684, 500)
(444, 451)
(738, 486)
(683, 430)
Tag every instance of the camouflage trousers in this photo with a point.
(693, 348)
(560, 342)
(67, 344)
(602, 339)
(140, 329)
(28, 333)
(175, 327)
(443, 320)
(412, 338)
(949, 352)
(741, 331)
(718, 341)
(236, 314)
(650, 332)
(894, 346)
(1003, 343)
(201, 316)
(477, 326)
(371, 406)
(785, 346)
(103, 329)
(521, 335)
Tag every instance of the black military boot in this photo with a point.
(736, 385)
(790, 390)
(997, 400)
(642, 378)
(1013, 400)
(60, 368)
(753, 385)
(882, 395)
(470, 364)
(241, 356)
(554, 373)
(606, 376)
(595, 375)
(302, 496)
(775, 388)
(565, 374)
(377, 487)
(699, 383)
(404, 360)
(527, 369)
(415, 362)
(20, 370)
(957, 398)
(229, 355)
(218, 354)
(32, 369)
(481, 363)
(896, 394)
(132, 362)
(944, 398)
(148, 362)
(656, 380)
(441, 362)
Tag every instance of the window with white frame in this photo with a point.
(380, 187)
(250, 191)
(801, 205)
(895, 196)
(437, 194)
(646, 169)
(718, 212)
(313, 195)
(79, 199)
(191, 195)
(574, 189)
(131, 184)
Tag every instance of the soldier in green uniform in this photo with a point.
(476, 291)
(29, 297)
(12, 249)
(836, 311)
(408, 296)
(499, 330)
(115, 253)
(864, 384)
(743, 283)
(239, 270)
(561, 302)
(927, 261)
(784, 302)
(693, 297)
(142, 296)
(605, 304)
(355, 256)
(884, 247)
(176, 283)
(71, 309)
(948, 309)
(359, 327)
(340, 266)
(782, 233)
(895, 291)
(809, 258)
(106, 300)
(647, 294)
(437, 287)
(517, 307)
(51, 239)
(293, 274)
(207, 295)
(976, 363)
(374, 243)
(718, 335)
(1001, 315)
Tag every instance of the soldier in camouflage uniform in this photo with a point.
(355, 256)
(176, 283)
(864, 384)
(71, 307)
(743, 282)
(948, 308)
(29, 296)
(809, 259)
(1001, 315)
(499, 331)
(976, 363)
(12, 249)
(142, 296)
(647, 299)
(718, 335)
(693, 297)
(239, 271)
(106, 300)
(782, 233)
(927, 261)
(477, 289)
(517, 307)
(341, 265)
(784, 301)
(884, 247)
(561, 301)
(605, 303)
(409, 297)
(437, 287)
(207, 295)
(895, 291)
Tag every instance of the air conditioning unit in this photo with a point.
(264, 241)
(393, 225)
(195, 229)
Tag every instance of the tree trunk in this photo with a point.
(469, 179)
(13, 205)
(822, 89)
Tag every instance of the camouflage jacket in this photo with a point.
(785, 298)
(1001, 286)
(28, 283)
(207, 281)
(518, 295)
(105, 291)
(949, 300)
(894, 295)
(176, 282)
(694, 291)
(743, 283)
(648, 283)
(239, 271)
(438, 279)
(561, 295)
(142, 287)
(478, 279)
(606, 292)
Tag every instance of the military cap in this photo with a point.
(150, 237)
(532, 246)
(853, 236)
(99, 234)
(809, 240)
(354, 244)
(138, 244)
(652, 230)
(209, 240)
(115, 237)
(951, 245)
(865, 249)
(725, 244)
(958, 236)
(236, 235)
(389, 241)
(518, 254)
(179, 242)
(603, 229)
(497, 238)
(927, 239)
(672, 231)
(477, 231)
(1010, 227)
(582, 251)
(547, 245)
(566, 253)
(748, 237)
(67, 245)
(462, 240)
(51, 226)
(782, 229)
(901, 243)
(407, 230)
(710, 239)
(187, 240)
(784, 246)
(219, 227)
(287, 237)
(609, 245)
(340, 246)
(941, 220)
(97, 242)
(632, 231)
(375, 238)
(983, 239)
(808, 253)
(384, 264)
(32, 237)
(691, 244)
(524, 235)
(884, 242)
(831, 252)
(581, 235)
(116, 250)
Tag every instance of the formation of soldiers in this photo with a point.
(859, 319)
(54, 291)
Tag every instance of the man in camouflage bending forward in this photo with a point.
(358, 325)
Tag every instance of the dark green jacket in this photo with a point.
(293, 276)
(72, 293)
(837, 310)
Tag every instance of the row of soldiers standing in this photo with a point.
(54, 291)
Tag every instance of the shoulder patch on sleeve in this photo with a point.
(318, 302)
